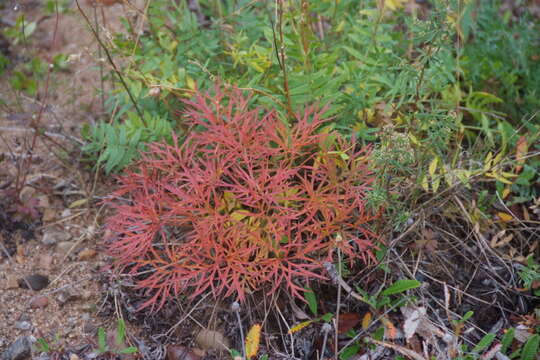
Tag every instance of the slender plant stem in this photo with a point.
(282, 62)
(109, 58)
(100, 63)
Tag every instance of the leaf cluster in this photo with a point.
(245, 201)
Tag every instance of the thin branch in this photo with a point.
(109, 58)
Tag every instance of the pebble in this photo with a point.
(87, 254)
(51, 237)
(36, 281)
(212, 340)
(27, 193)
(11, 282)
(48, 215)
(66, 213)
(43, 356)
(23, 325)
(20, 349)
(39, 302)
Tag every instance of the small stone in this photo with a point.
(87, 254)
(20, 349)
(51, 237)
(39, 302)
(91, 356)
(11, 282)
(74, 357)
(27, 193)
(23, 325)
(35, 281)
(66, 213)
(49, 215)
(43, 356)
(212, 340)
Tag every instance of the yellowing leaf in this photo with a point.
(487, 161)
(498, 158)
(433, 166)
(414, 139)
(239, 215)
(435, 184)
(499, 177)
(366, 321)
(508, 174)
(78, 203)
(252, 340)
(190, 83)
(299, 326)
(394, 4)
(424, 183)
(504, 216)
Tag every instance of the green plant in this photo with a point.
(378, 302)
(54, 347)
(343, 67)
(500, 56)
(245, 201)
(116, 145)
(118, 347)
(51, 7)
(530, 275)
(21, 30)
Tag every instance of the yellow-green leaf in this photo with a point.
(190, 82)
(433, 166)
(487, 161)
(499, 177)
(300, 326)
(78, 203)
(435, 184)
(424, 183)
(239, 215)
(394, 4)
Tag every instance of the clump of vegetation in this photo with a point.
(242, 202)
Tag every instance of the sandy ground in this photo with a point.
(62, 241)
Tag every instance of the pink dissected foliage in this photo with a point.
(245, 201)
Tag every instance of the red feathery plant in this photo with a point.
(245, 201)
